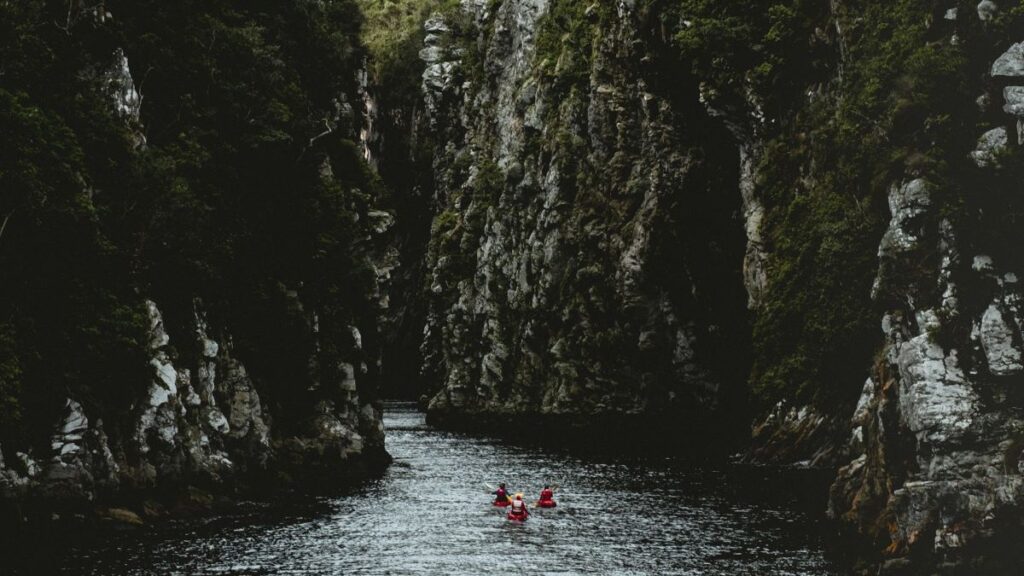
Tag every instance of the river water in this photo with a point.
(430, 514)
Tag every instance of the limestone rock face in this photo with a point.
(922, 429)
(997, 339)
(568, 271)
(126, 99)
(935, 438)
(1011, 64)
(989, 144)
(908, 203)
(936, 404)
(1014, 97)
(82, 463)
(199, 421)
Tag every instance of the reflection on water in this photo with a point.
(429, 514)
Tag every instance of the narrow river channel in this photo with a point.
(429, 514)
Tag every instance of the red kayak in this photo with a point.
(546, 504)
(521, 517)
(502, 503)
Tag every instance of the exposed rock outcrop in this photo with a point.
(126, 98)
(936, 436)
(200, 422)
(564, 186)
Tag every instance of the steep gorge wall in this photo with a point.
(197, 256)
(673, 208)
(202, 423)
(937, 432)
(582, 228)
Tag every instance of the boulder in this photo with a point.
(936, 402)
(1010, 65)
(997, 340)
(989, 145)
(987, 10)
(1014, 97)
(122, 516)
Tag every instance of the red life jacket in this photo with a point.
(546, 495)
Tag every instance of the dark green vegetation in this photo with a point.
(248, 192)
(858, 100)
(393, 34)
(548, 316)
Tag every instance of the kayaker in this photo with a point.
(547, 497)
(501, 495)
(518, 510)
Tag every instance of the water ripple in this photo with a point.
(429, 514)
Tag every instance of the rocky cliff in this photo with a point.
(200, 422)
(196, 251)
(937, 432)
(683, 209)
(584, 258)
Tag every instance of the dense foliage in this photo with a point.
(843, 100)
(855, 97)
(239, 184)
(393, 36)
(771, 70)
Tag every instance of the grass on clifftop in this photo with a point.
(394, 27)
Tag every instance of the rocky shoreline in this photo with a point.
(202, 436)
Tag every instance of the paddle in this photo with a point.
(493, 489)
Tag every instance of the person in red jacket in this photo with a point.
(501, 496)
(547, 498)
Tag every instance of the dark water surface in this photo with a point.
(429, 514)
